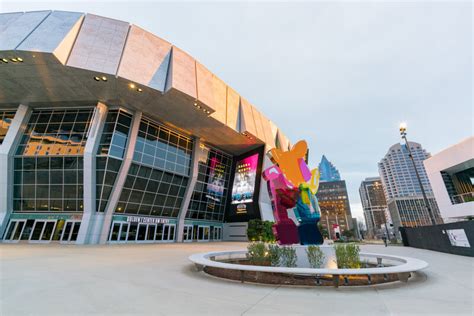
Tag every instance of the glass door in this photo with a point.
(168, 232)
(42, 231)
(188, 233)
(217, 233)
(70, 231)
(203, 233)
(150, 233)
(14, 231)
(115, 232)
(141, 235)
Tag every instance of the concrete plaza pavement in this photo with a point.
(158, 279)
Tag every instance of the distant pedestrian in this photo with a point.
(384, 238)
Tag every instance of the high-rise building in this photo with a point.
(333, 200)
(402, 189)
(374, 205)
(110, 134)
(328, 171)
(336, 216)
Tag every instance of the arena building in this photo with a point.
(110, 134)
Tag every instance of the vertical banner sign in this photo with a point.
(215, 184)
(244, 182)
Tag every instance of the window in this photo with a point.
(6, 118)
(56, 132)
(149, 191)
(163, 149)
(110, 154)
(48, 166)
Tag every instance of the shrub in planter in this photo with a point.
(315, 256)
(257, 253)
(347, 256)
(288, 257)
(274, 255)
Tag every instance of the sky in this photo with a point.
(340, 75)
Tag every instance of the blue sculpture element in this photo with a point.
(308, 231)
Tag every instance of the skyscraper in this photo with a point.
(333, 200)
(374, 205)
(328, 171)
(401, 187)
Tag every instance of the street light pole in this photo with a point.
(403, 133)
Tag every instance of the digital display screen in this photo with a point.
(215, 184)
(244, 180)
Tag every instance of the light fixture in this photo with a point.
(19, 59)
(5, 60)
(195, 104)
(140, 90)
(104, 78)
(198, 106)
(96, 78)
(132, 85)
(14, 60)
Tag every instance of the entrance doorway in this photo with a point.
(70, 231)
(141, 232)
(14, 230)
(42, 231)
(203, 233)
(188, 233)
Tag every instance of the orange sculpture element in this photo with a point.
(289, 162)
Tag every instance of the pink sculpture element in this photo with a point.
(283, 197)
(304, 170)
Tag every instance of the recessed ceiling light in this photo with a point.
(198, 106)
(132, 85)
(5, 60)
(139, 89)
(96, 78)
(104, 78)
(14, 60)
(19, 59)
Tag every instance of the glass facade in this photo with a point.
(157, 179)
(56, 132)
(149, 191)
(160, 148)
(110, 153)
(6, 118)
(209, 197)
(48, 165)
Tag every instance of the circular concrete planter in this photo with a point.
(220, 264)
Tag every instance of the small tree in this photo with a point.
(315, 256)
(347, 256)
(348, 234)
(288, 256)
(323, 231)
(274, 255)
(257, 253)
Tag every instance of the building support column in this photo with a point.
(7, 150)
(189, 190)
(106, 217)
(93, 139)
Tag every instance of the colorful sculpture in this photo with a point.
(291, 185)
